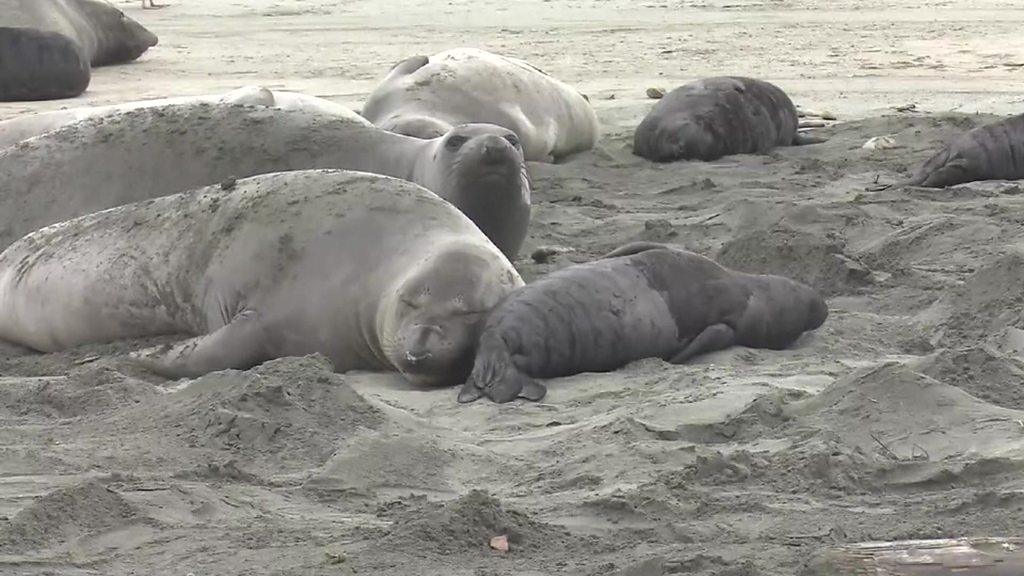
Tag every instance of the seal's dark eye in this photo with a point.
(512, 139)
(455, 142)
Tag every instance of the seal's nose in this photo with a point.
(494, 149)
(421, 341)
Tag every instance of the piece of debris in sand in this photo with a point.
(544, 254)
(905, 108)
(966, 556)
(655, 93)
(500, 543)
(880, 143)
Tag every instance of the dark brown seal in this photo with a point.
(991, 152)
(642, 300)
(716, 117)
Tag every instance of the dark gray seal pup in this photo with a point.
(373, 272)
(48, 46)
(991, 152)
(149, 152)
(641, 300)
(715, 117)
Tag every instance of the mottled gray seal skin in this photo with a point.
(991, 152)
(642, 300)
(47, 46)
(716, 117)
(149, 152)
(373, 272)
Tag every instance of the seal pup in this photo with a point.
(994, 151)
(641, 300)
(715, 117)
(48, 46)
(145, 153)
(371, 271)
(425, 96)
(27, 126)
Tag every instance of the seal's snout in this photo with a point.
(421, 341)
(495, 150)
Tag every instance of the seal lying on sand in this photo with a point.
(425, 96)
(716, 117)
(373, 272)
(30, 125)
(48, 46)
(150, 152)
(642, 300)
(991, 152)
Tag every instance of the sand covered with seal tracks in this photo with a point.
(900, 418)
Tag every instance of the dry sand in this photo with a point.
(902, 417)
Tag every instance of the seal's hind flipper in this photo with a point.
(409, 65)
(239, 344)
(803, 139)
(714, 337)
(636, 248)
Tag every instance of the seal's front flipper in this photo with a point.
(803, 139)
(495, 375)
(239, 344)
(636, 248)
(714, 337)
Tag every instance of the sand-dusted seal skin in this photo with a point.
(425, 96)
(641, 300)
(719, 116)
(47, 46)
(991, 152)
(100, 163)
(371, 271)
(27, 126)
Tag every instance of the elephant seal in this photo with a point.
(48, 46)
(639, 301)
(991, 152)
(145, 153)
(425, 96)
(716, 117)
(30, 125)
(371, 271)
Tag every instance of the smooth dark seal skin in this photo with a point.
(991, 152)
(642, 300)
(48, 46)
(716, 117)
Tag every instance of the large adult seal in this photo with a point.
(991, 152)
(425, 96)
(716, 117)
(373, 272)
(30, 125)
(48, 46)
(104, 162)
(642, 300)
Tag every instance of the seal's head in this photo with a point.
(121, 39)
(480, 169)
(675, 137)
(430, 325)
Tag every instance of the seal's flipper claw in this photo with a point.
(470, 393)
(714, 337)
(533, 390)
(238, 344)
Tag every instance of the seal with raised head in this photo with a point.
(100, 163)
(641, 300)
(994, 151)
(28, 126)
(720, 116)
(372, 272)
(48, 46)
(425, 96)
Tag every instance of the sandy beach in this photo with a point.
(901, 418)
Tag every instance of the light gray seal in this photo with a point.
(425, 96)
(642, 300)
(991, 152)
(373, 272)
(47, 47)
(149, 152)
(720, 116)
